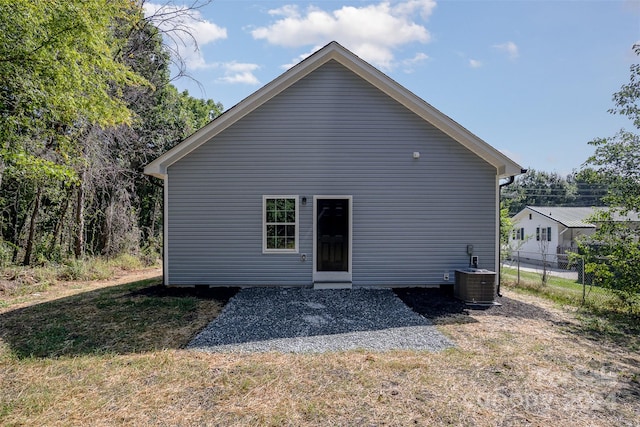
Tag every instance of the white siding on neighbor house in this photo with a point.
(561, 236)
(330, 133)
(569, 236)
(530, 248)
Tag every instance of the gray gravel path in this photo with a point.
(295, 320)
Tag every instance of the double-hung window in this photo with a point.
(543, 234)
(280, 224)
(518, 234)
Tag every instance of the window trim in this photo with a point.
(543, 234)
(518, 234)
(266, 250)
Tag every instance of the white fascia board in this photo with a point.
(521, 215)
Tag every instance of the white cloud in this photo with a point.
(474, 63)
(239, 72)
(185, 31)
(300, 58)
(290, 10)
(510, 48)
(408, 7)
(244, 78)
(409, 63)
(371, 32)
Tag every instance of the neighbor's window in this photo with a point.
(518, 234)
(280, 224)
(543, 234)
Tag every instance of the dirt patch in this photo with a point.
(439, 305)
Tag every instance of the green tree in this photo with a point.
(506, 225)
(122, 207)
(590, 187)
(58, 70)
(613, 252)
(538, 188)
(164, 117)
(59, 75)
(85, 103)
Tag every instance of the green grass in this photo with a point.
(95, 268)
(17, 281)
(561, 290)
(602, 314)
(130, 318)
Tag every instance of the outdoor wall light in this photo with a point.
(304, 201)
(416, 154)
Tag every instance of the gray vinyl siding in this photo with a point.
(331, 133)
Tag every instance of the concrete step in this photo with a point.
(332, 285)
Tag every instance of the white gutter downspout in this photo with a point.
(510, 181)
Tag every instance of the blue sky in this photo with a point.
(532, 78)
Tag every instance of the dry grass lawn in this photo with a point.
(536, 370)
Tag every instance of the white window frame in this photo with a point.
(266, 250)
(543, 234)
(518, 233)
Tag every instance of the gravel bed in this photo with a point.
(295, 320)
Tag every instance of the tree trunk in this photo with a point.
(58, 228)
(79, 240)
(154, 215)
(14, 224)
(32, 227)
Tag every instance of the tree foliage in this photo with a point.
(59, 64)
(85, 103)
(539, 188)
(60, 71)
(613, 252)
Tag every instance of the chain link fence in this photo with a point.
(558, 274)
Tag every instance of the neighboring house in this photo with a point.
(331, 175)
(551, 232)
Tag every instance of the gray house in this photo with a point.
(331, 175)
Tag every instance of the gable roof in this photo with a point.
(577, 217)
(334, 51)
(569, 217)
